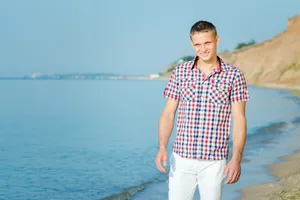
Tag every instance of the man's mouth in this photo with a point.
(204, 54)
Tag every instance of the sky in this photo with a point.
(132, 37)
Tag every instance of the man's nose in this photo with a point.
(202, 48)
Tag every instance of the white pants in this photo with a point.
(185, 174)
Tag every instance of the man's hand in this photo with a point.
(165, 128)
(233, 171)
(162, 156)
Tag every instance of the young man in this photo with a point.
(207, 93)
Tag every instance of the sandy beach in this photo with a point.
(288, 186)
(287, 171)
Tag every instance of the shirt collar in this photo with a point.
(219, 67)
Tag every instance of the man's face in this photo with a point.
(205, 45)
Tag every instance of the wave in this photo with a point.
(131, 191)
(296, 120)
(275, 128)
(296, 99)
(265, 136)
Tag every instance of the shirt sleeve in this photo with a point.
(172, 89)
(239, 91)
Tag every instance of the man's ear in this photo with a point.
(218, 39)
(191, 41)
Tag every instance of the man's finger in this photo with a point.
(230, 177)
(233, 176)
(237, 177)
(159, 166)
(165, 161)
(226, 172)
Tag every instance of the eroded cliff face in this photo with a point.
(274, 61)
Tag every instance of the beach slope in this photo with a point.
(287, 187)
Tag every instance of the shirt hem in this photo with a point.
(201, 157)
(174, 99)
(240, 100)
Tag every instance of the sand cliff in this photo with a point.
(274, 61)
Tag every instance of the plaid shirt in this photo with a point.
(204, 112)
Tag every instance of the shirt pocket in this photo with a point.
(219, 92)
(188, 90)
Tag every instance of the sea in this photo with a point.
(97, 139)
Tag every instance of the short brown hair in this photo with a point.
(202, 26)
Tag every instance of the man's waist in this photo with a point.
(217, 153)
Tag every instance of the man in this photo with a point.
(207, 93)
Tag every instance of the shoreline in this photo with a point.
(288, 185)
(294, 89)
(287, 170)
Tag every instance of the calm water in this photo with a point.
(97, 139)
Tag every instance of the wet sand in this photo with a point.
(288, 185)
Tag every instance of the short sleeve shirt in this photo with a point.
(204, 112)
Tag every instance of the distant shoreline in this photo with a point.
(295, 89)
(83, 78)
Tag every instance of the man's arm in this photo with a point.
(233, 168)
(165, 128)
(239, 130)
(166, 123)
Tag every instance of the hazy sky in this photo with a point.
(131, 37)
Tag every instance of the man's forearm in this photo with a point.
(239, 137)
(165, 129)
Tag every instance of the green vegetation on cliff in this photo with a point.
(243, 44)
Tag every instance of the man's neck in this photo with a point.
(209, 65)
